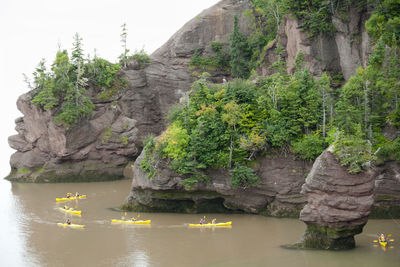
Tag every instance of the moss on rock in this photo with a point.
(66, 173)
(385, 212)
(177, 201)
(327, 238)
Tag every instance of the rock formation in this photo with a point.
(338, 204)
(341, 53)
(278, 193)
(387, 191)
(99, 147)
(105, 145)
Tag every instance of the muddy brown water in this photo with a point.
(29, 234)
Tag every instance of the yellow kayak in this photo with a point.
(383, 243)
(131, 222)
(72, 225)
(70, 210)
(210, 224)
(70, 198)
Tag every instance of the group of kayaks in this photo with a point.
(122, 220)
(70, 210)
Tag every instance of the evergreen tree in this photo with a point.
(239, 52)
(124, 56)
(324, 88)
(77, 51)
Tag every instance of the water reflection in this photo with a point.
(14, 230)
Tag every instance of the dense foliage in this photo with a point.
(218, 61)
(240, 53)
(385, 21)
(229, 125)
(63, 88)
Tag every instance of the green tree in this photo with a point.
(240, 53)
(385, 21)
(309, 147)
(173, 142)
(43, 84)
(243, 177)
(324, 88)
(354, 151)
(231, 117)
(77, 51)
(124, 56)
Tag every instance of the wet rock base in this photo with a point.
(327, 238)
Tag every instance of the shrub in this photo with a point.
(243, 177)
(174, 140)
(102, 72)
(146, 164)
(309, 147)
(141, 57)
(353, 151)
(389, 150)
(106, 135)
(189, 183)
(197, 178)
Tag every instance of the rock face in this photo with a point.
(277, 194)
(341, 53)
(387, 191)
(95, 149)
(338, 204)
(99, 147)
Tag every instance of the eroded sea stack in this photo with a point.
(100, 146)
(338, 204)
(278, 193)
(108, 144)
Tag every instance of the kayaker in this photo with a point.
(68, 222)
(77, 194)
(65, 207)
(201, 221)
(214, 221)
(133, 219)
(382, 238)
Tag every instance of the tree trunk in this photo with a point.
(230, 152)
(324, 121)
(367, 112)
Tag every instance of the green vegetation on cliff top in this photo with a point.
(64, 88)
(228, 125)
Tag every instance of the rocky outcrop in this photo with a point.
(95, 149)
(338, 204)
(277, 193)
(352, 41)
(340, 53)
(99, 147)
(387, 191)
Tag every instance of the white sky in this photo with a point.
(31, 29)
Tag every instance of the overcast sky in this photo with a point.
(31, 30)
